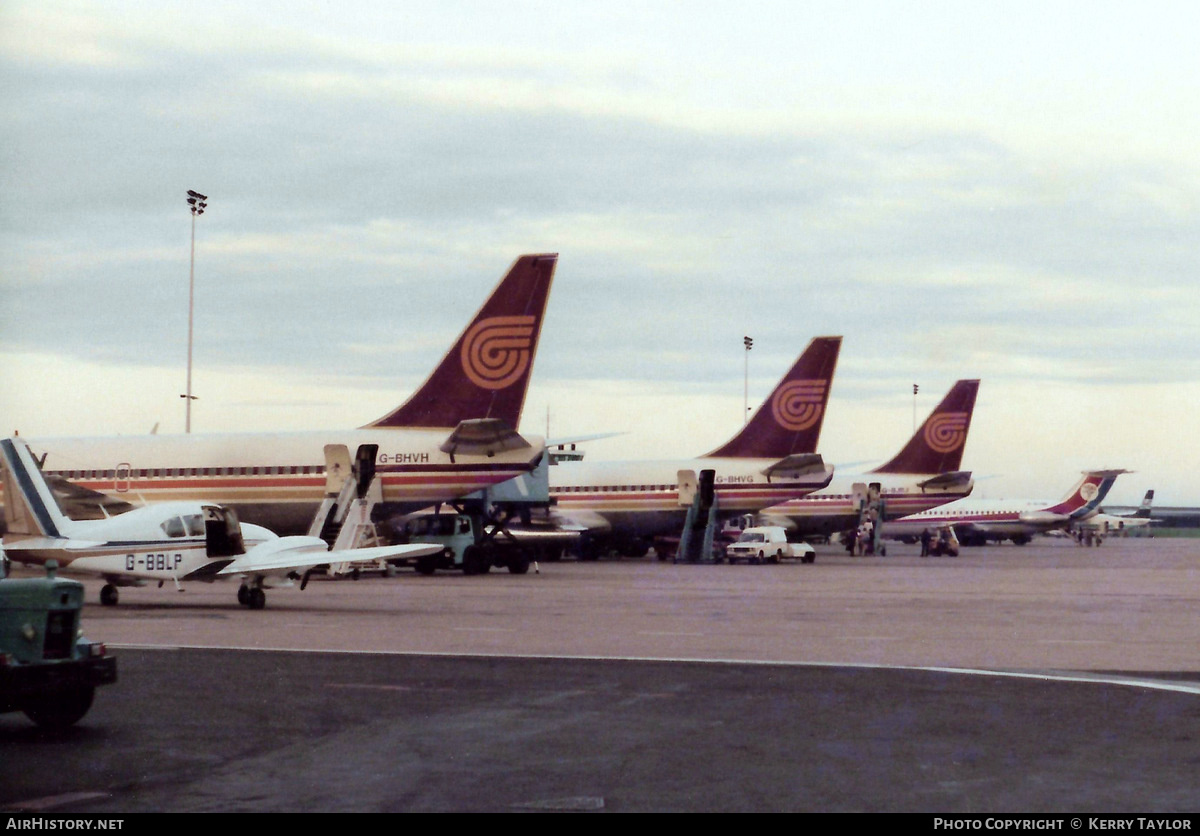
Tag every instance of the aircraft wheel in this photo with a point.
(62, 709)
(244, 595)
(108, 597)
(257, 598)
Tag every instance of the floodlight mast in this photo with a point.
(198, 203)
(749, 344)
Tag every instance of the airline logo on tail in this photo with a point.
(496, 351)
(486, 372)
(1089, 491)
(798, 404)
(947, 431)
(937, 445)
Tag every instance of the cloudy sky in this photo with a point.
(1009, 192)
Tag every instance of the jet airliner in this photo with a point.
(456, 434)
(975, 521)
(923, 475)
(625, 504)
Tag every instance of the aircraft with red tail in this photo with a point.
(773, 458)
(923, 475)
(456, 434)
(976, 521)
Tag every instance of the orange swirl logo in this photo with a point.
(496, 351)
(946, 431)
(798, 404)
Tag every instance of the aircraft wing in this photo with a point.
(295, 554)
(482, 437)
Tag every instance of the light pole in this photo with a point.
(198, 203)
(749, 343)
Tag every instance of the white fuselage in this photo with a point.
(274, 479)
(838, 506)
(163, 542)
(646, 499)
(997, 518)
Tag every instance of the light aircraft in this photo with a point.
(625, 504)
(171, 541)
(923, 475)
(456, 434)
(1105, 524)
(975, 521)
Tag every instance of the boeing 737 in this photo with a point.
(456, 434)
(924, 475)
(772, 459)
(975, 521)
(173, 541)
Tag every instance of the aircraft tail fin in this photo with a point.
(937, 445)
(486, 372)
(1085, 497)
(1147, 506)
(790, 420)
(30, 508)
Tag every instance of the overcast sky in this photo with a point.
(1008, 192)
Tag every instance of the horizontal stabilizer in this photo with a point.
(483, 437)
(800, 464)
(952, 479)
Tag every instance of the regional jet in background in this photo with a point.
(624, 505)
(976, 521)
(1103, 524)
(456, 434)
(924, 475)
(171, 541)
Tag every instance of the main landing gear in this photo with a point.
(252, 597)
(108, 595)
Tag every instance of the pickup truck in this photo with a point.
(47, 669)
(767, 544)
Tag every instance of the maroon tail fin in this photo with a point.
(937, 446)
(486, 373)
(790, 421)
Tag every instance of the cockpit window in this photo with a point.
(174, 527)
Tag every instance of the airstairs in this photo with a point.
(703, 520)
(352, 490)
